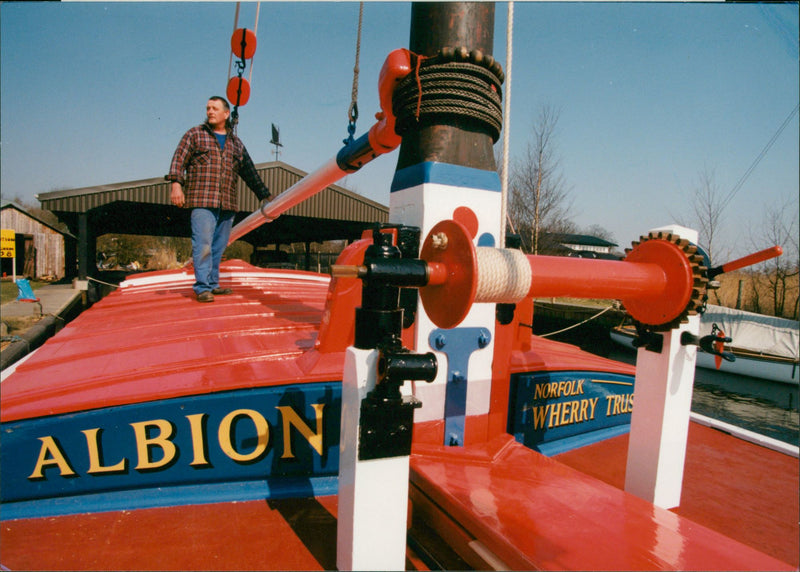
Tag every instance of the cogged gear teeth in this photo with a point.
(700, 280)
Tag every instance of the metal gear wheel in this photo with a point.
(687, 281)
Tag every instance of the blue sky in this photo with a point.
(649, 94)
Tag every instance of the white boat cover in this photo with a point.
(754, 332)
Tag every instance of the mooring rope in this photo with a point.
(589, 319)
(101, 282)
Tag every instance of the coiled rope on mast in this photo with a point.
(455, 82)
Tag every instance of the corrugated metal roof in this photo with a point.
(334, 202)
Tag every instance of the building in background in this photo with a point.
(42, 251)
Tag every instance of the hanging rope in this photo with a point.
(506, 125)
(255, 31)
(241, 93)
(240, 65)
(235, 27)
(352, 111)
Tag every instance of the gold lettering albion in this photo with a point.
(162, 441)
(262, 431)
(56, 457)
(156, 446)
(291, 418)
(96, 455)
(198, 439)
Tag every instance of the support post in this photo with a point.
(660, 418)
(373, 494)
(377, 422)
(83, 246)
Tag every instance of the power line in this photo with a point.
(757, 160)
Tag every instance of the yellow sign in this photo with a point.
(8, 244)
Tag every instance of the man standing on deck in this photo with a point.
(203, 174)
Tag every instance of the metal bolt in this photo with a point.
(458, 377)
(483, 340)
(440, 341)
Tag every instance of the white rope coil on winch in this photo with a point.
(504, 275)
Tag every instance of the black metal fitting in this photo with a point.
(384, 300)
(355, 154)
(649, 340)
(706, 343)
(387, 417)
(379, 319)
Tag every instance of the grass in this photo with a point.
(9, 290)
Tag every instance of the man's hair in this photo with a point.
(222, 99)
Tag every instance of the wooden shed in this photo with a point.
(41, 250)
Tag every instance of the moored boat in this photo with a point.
(763, 347)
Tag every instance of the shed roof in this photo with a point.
(10, 205)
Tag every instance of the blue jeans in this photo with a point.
(210, 231)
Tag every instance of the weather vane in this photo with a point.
(276, 140)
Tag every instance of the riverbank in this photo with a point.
(27, 325)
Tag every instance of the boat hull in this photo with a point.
(770, 368)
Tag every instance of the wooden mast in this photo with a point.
(437, 25)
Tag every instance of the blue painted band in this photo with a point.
(569, 443)
(445, 174)
(172, 496)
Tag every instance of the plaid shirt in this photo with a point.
(208, 173)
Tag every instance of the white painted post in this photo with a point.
(373, 494)
(660, 418)
(422, 196)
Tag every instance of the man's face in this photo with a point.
(216, 113)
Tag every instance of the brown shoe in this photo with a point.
(205, 297)
(221, 291)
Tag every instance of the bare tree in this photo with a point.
(539, 201)
(707, 207)
(779, 227)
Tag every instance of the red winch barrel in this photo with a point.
(554, 276)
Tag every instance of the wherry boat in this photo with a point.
(310, 422)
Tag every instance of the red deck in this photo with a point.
(528, 511)
(740, 489)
